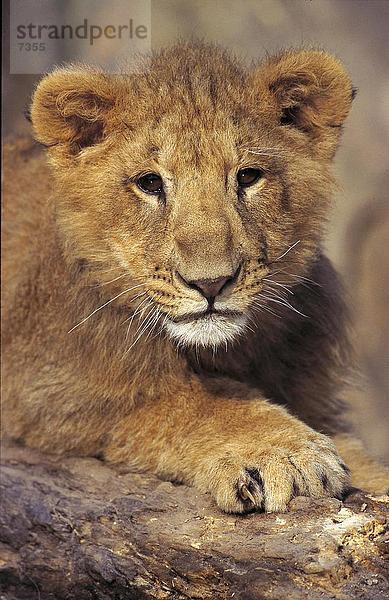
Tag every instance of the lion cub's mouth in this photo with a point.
(210, 328)
(208, 314)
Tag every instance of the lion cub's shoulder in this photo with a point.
(27, 180)
(26, 174)
(27, 208)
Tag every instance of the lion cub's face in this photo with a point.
(184, 185)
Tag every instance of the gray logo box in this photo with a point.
(109, 34)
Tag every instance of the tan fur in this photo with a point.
(237, 419)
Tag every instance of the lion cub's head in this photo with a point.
(185, 183)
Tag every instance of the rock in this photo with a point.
(76, 528)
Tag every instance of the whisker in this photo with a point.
(267, 151)
(284, 303)
(306, 279)
(272, 154)
(132, 300)
(295, 276)
(105, 270)
(270, 282)
(103, 305)
(111, 280)
(147, 302)
(286, 251)
(141, 328)
(161, 329)
(272, 295)
(298, 279)
(276, 272)
(146, 323)
(255, 304)
(154, 323)
(249, 328)
(136, 312)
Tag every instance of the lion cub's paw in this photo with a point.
(268, 479)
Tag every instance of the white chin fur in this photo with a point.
(207, 332)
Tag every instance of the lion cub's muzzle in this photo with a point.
(215, 323)
(211, 288)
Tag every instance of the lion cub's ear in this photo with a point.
(72, 106)
(310, 90)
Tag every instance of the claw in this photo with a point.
(245, 493)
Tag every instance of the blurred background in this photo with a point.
(358, 233)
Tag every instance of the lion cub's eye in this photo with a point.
(249, 176)
(151, 183)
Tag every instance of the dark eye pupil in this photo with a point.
(246, 177)
(150, 183)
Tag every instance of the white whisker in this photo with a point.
(286, 251)
(103, 305)
(270, 282)
(142, 327)
(273, 294)
(301, 277)
(257, 305)
(305, 279)
(111, 280)
(161, 329)
(136, 312)
(154, 323)
(137, 308)
(278, 152)
(283, 303)
(249, 328)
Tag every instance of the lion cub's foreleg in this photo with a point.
(246, 452)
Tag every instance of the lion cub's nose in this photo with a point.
(209, 288)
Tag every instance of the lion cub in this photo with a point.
(168, 304)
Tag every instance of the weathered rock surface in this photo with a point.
(75, 528)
